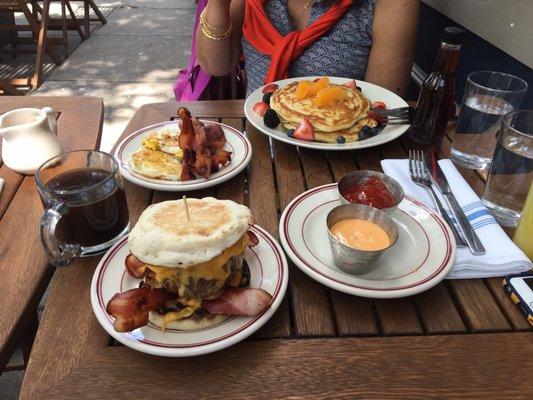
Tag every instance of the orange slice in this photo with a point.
(303, 89)
(329, 95)
(320, 84)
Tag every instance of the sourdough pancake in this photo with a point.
(331, 117)
(164, 236)
(345, 117)
(155, 164)
(351, 134)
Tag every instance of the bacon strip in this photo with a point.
(215, 137)
(135, 267)
(221, 157)
(201, 145)
(252, 237)
(131, 308)
(241, 301)
(186, 137)
(203, 163)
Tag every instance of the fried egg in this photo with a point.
(155, 164)
(168, 140)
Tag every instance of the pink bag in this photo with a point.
(192, 81)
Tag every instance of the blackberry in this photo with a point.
(374, 131)
(359, 88)
(341, 139)
(266, 97)
(271, 118)
(290, 132)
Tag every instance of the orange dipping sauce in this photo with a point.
(360, 234)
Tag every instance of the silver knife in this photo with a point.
(439, 179)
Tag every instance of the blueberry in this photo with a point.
(367, 130)
(341, 139)
(374, 131)
(290, 132)
(362, 136)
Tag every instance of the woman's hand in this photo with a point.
(219, 57)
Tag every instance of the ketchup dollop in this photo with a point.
(371, 192)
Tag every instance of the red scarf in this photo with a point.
(260, 32)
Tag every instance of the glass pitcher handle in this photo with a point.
(62, 254)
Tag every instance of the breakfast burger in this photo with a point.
(190, 257)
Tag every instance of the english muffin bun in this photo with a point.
(199, 320)
(163, 236)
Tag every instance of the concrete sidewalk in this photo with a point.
(130, 61)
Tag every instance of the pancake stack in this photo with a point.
(344, 117)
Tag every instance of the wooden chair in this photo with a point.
(64, 23)
(39, 37)
(228, 87)
(87, 4)
(75, 21)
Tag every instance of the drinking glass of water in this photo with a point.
(511, 170)
(487, 98)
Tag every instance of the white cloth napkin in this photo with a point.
(502, 256)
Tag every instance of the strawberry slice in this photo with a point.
(379, 118)
(270, 88)
(304, 131)
(379, 105)
(352, 84)
(261, 108)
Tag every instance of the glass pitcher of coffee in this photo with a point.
(85, 206)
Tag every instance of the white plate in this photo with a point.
(237, 143)
(420, 259)
(373, 92)
(268, 270)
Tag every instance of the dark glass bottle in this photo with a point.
(436, 99)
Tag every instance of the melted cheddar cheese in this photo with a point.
(215, 269)
(176, 315)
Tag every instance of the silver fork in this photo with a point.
(400, 112)
(396, 116)
(420, 176)
(397, 121)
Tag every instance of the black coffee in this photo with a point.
(97, 209)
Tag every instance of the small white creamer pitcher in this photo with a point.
(29, 138)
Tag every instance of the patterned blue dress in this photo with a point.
(343, 51)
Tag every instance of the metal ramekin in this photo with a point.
(354, 261)
(353, 178)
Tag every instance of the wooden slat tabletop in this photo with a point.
(459, 339)
(23, 264)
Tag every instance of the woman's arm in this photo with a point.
(393, 44)
(219, 57)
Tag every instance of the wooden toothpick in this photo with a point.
(186, 208)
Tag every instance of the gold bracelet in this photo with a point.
(210, 31)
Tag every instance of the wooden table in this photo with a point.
(462, 338)
(24, 269)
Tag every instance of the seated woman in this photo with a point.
(371, 40)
